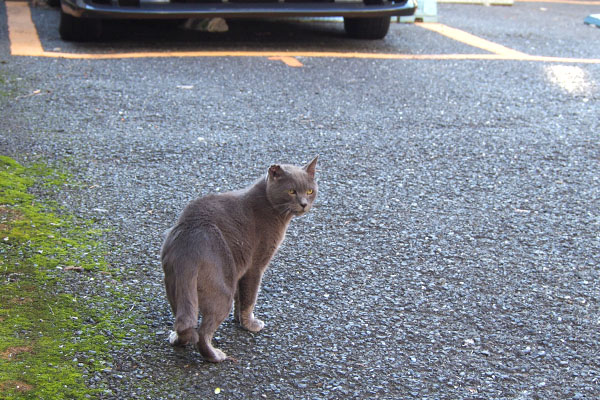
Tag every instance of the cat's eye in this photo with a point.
(291, 191)
(310, 191)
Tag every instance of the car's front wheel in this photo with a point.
(79, 29)
(367, 28)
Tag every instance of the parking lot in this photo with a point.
(453, 250)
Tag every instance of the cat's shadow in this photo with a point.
(231, 336)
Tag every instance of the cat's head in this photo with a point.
(291, 189)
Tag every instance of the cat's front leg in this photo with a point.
(237, 307)
(247, 320)
(251, 323)
(245, 300)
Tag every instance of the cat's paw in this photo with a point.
(177, 341)
(217, 356)
(173, 338)
(253, 325)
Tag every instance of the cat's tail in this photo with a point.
(181, 277)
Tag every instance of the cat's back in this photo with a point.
(213, 220)
(220, 210)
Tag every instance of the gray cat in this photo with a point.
(218, 250)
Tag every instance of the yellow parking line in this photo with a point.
(287, 60)
(24, 41)
(317, 54)
(471, 40)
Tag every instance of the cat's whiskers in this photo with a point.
(283, 209)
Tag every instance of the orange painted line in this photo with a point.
(287, 60)
(323, 54)
(471, 40)
(24, 40)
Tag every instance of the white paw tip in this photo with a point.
(173, 337)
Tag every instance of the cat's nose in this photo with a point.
(303, 204)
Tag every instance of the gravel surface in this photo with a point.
(453, 250)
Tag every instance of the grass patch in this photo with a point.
(50, 340)
(5, 82)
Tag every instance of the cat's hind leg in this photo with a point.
(181, 338)
(180, 284)
(213, 313)
(216, 290)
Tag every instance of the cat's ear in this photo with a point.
(275, 172)
(311, 167)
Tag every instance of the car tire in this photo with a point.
(74, 29)
(367, 28)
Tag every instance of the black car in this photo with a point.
(81, 20)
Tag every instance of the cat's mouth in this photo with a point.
(294, 210)
(297, 212)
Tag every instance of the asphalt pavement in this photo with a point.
(453, 251)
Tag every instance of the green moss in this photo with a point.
(49, 340)
(5, 80)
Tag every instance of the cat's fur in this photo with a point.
(218, 250)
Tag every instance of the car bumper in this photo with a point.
(161, 9)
